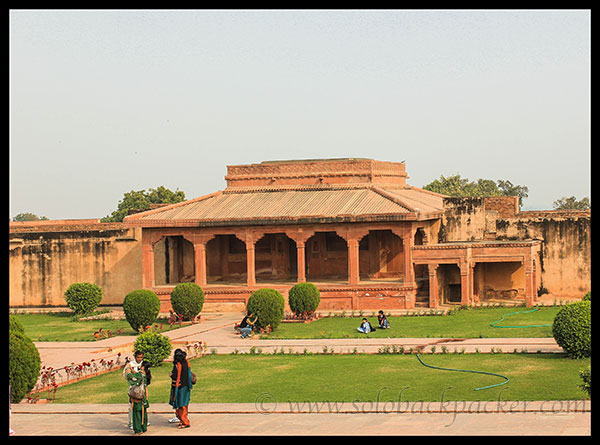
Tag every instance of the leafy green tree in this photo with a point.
(452, 186)
(27, 216)
(508, 189)
(571, 203)
(142, 200)
(459, 187)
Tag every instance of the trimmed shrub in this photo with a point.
(23, 365)
(187, 299)
(572, 329)
(304, 297)
(83, 298)
(268, 305)
(14, 325)
(588, 296)
(156, 347)
(586, 376)
(141, 308)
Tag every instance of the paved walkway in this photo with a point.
(264, 418)
(241, 419)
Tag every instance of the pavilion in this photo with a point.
(353, 227)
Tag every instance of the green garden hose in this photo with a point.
(506, 379)
(525, 326)
(467, 370)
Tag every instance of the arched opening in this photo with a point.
(420, 237)
(173, 261)
(381, 256)
(326, 257)
(226, 260)
(276, 259)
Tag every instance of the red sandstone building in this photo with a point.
(354, 227)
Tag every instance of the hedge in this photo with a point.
(14, 325)
(83, 298)
(304, 297)
(268, 305)
(187, 299)
(23, 365)
(572, 329)
(141, 308)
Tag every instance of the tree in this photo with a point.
(27, 216)
(142, 200)
(461, 187)
(508, 189)
(571, 203)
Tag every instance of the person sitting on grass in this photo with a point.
(383, 321)
(365, 327)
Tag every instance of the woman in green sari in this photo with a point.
(139, 397)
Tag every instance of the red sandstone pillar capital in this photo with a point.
(300, 236)
(199, 241)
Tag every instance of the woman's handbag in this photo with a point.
(137, 393)
(194, 379)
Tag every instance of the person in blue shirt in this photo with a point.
(365, 327)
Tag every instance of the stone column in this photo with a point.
(353, 263)
(353, 237)
(301, 262)
(300, 236)
(148, 264)
(409, 274)
(200, 263)
(250, 262)
(530, 291)
(433, 285)
(472, 282)
(199, 241)
(465, 283)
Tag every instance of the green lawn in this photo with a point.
(61, 326)
(474, 323)
(349, 378)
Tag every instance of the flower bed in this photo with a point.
(304, 317)
(51, 379)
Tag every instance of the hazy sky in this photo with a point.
(107, 101)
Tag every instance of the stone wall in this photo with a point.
(317, 171)
(566, 250)
(46, 257)
(566, 237)
(463, 219)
